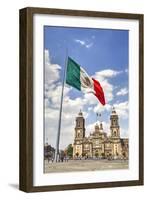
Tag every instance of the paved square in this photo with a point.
(85, 165)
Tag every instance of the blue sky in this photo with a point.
(104, 55)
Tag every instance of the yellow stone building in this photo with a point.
(99, 144)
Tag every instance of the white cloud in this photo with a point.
(100, 108)
(122, 92)
(122, 109)
(71, 106)
(106, 127)
(106, 85)
(84, 43)
(103, 77)
(52, 71)
(70, 111)
(90, 128)
(126, 70)
(53, 94)
(53, 87)
(89, 45)
(124, 133)
(90, 108)
(108, 73)
(90, 99)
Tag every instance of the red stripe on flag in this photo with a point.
(99, 91)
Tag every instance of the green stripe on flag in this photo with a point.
(73, 74)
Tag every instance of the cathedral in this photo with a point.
(99, 144)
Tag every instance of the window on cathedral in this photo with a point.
(114, 122)
(114, 133)
(86, 147)
(78, 123)
(78, 133)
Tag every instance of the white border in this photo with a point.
(40, 179)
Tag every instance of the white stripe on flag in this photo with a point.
(86, 82)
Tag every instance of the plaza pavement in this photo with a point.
(84, 165)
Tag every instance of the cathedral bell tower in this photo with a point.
(115, 135)
(80, 127)
(79, 136)
(114, 127)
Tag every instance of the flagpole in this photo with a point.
(60, 112)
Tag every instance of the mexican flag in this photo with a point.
(77, 77)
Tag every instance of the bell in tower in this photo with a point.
(80, 126)
(96, 128)
(114, 127)
(101, 126)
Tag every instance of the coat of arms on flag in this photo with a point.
(78, 78)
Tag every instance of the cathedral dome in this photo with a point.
(96, 126)
(80, 114)
(113, 111)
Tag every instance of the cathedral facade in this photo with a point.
(99, 144)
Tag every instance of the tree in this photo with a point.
(69, 150)
(77, 154)
(124, 155)
(83, 154)
(96, 154)
(103, 155)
